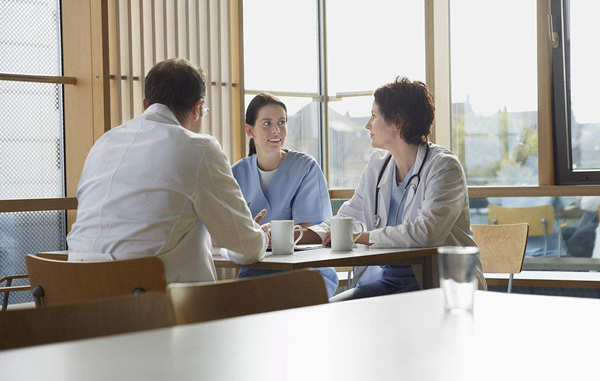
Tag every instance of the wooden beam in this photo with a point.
(437, 68)
(38, 78)
(38, 204)
(237, 77)
(544, 82)
(476, 192)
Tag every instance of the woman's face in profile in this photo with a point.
(383, 135)
(270, 129)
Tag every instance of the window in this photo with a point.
(31, 132)
(324, 63)
(494, 91)
(575, 83)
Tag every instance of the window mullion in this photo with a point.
(323, 88)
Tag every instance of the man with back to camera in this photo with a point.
(155, 186)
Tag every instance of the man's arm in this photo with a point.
(221, 207)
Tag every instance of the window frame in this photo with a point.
(561, 91)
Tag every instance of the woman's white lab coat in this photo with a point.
(436, 212)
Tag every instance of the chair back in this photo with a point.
(502, 247)
(55, 282)
(532, 215)
(194, 303)
(35, 326)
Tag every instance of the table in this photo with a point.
(402, 336)
(361, 255)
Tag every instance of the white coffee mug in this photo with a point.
(341, 233)
(282, 236)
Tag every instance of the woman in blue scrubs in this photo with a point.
(288, 184)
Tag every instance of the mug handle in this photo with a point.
(362, 231)
(301, 234)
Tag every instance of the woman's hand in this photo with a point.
(327, 239)
(259, 217)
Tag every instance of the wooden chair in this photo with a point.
(35, 326)
(349, 270)
(55, 282)
(194, 303)
(502, 248)
(540, 219)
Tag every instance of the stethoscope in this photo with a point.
(377, 219)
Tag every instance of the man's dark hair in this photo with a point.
(409, 106)
(177, 84)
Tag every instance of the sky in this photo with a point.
(493, 51)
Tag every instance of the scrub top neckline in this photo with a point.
(276, 176)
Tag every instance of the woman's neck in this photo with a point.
(269, 161)
(405, 156)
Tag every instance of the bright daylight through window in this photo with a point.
(285, 57)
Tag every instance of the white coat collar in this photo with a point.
(159, 108)
(387, 174)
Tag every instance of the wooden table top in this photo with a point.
(361, 255)
(402, 336)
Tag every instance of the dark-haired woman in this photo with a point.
(288, 184)
(412, 193)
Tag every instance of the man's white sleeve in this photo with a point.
(221, 207)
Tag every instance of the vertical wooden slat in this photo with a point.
(544, 82)
(100, 67)
(219, 79)
(165, 35)
(176, 18)
(229, 110)
(237, 77)
(142, 55)
(209, 67)
(153, 18)
(187, 30)
(118, 74)
(130, 57)
(198, 34)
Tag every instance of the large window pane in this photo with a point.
(572, 225)
(303, 124)
(31, 132)
(370, 45)
(350, 144)
(494, 90)
(281, 45)
(367, 47)
(585, 82)
(30, 37)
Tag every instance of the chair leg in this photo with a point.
(510, 283)
(544, 224)
(38, 294)
(6, 295)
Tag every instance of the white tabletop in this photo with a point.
(361, 255)
(409, 337)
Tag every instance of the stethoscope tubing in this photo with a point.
(377, 219)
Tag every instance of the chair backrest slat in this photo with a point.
(532, 215)
(209, 301)
(502, 247)
(35, 326)
(65, 282)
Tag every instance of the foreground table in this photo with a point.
(361, 255)
(406, 336)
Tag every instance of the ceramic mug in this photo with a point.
(282, 236)
(341, 233)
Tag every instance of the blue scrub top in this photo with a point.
(298, 190)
